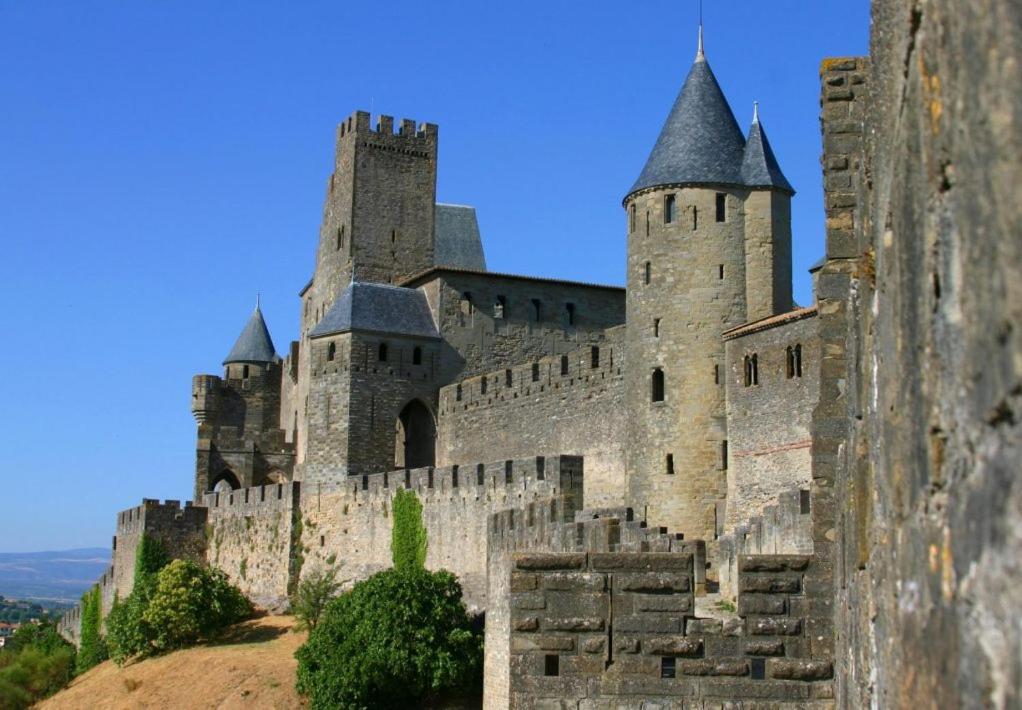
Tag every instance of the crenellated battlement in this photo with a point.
(382, 134)
(274, 496)
(590, 367)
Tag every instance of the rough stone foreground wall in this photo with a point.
(930, 270)
(578, 412)
(619, 630)
(251, 536)
(768, 423)
(349, 526)
(70, 624)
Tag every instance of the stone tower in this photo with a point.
(240, 443)
(709, 244)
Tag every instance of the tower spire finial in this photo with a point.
(755, 111)
(258, 295)
(700, 55)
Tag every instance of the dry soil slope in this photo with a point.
(253, 667)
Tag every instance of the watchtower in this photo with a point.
(709, 247)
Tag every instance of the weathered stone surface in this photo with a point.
(799, 669)
(574, 624)
(715, 667)
(773, 563)
(761, 604)
(651, 562)
(774, 626)
(654, 582)
(672, 646)
(772, 585)
(549, 561)
(764, 648)
(567, 582)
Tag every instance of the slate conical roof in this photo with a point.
(759, 166)
(254, 343)
(700, 142)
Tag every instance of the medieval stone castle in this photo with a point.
(605, 469)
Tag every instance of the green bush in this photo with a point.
(312, 595)
(91, 647)
(36, 663)
(190, 603)
(408, 534)
(399, 639)
(127, 632)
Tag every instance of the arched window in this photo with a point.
(537, 309)
(789, 361)
(244, 372)
(657, 385)
(669, 209)
(382, 353)
(569, 309)
(331, 351)
(417, 356)
(535, 372)
(509, 378)
(499, 307)
(751, 370)
(656, 327)
(467, 308)
(798, 360)
(721, 207)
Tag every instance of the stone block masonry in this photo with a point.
(620, 630)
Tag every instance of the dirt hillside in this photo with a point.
(252, 667)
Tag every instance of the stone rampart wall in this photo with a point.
(570, 403)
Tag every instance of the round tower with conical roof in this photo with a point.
(708, 228)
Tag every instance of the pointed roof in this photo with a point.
(700, 142)
(254, 344)
(759, 165)
(378, 308)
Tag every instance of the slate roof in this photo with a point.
(700, 142)
(759, 165)
(254, 344)
(458, 242)
(379, 308)
(770, 322)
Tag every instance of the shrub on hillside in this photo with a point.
(36, 663)
(312, 595)
(91, 645)
(399, 639)
(180, 605)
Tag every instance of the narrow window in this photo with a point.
(509, 472)
(647, 272)
(657, 385)
(393, 236)
(669, 209)
(508, 378)
(480, 472)
(322, 540)
(417, 356)
(631, 218)
(656, 327)
(723, 454)
(552, 665)
(535, 372)
(798, 360)
(540, 467)
(721, 207)
(594, 357)
(331, 351)
(454, 476)
(482, 385)
(467, 309)
(716, 374)
(537, 309)
(789, 361)
(340, 237)
(670, 464)
(457, 393)
(570, 311)
(804, 502)
(757, 668)
(382, 354)
(755, 369)
(564, 364)
(695, 218)
(499, 307)
(747, 368)
(647, 223)
(720, 271)
(667, 666)
(244, 372)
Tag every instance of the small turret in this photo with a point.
(254, 345)
(759, 165)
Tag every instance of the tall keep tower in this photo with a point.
(709, 248)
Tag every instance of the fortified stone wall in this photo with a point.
(349, 526)
(772, 370)
(925, 260)
(252, 536)
(570, 403)
(621, 629)
(69, 625)
(481, 332)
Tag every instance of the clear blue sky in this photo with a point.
(161, 162)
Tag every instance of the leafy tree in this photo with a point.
(150, 557)
(408, 538)
(37, 662)
(399, 639)
(312, 595)
(190, 603)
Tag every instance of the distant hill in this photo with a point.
(59, 576)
